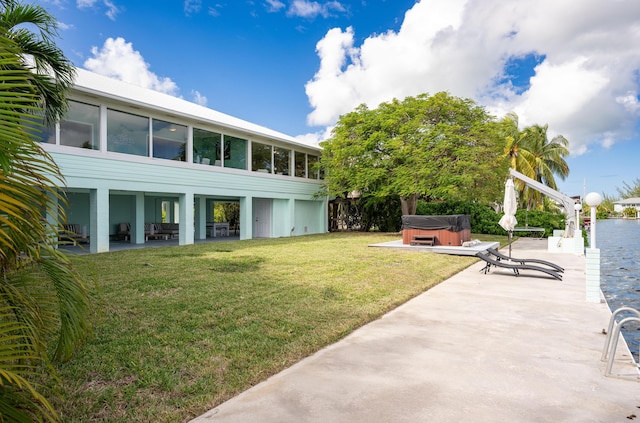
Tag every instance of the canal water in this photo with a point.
(619, 244)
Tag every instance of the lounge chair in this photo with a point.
(515, 267)
(499, 256)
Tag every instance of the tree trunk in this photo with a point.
(409, 204)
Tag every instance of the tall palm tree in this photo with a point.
(546, 160)
(42, 298)
(531, 153)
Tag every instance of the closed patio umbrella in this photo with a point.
(508, 221)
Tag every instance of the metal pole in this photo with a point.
(592, 225)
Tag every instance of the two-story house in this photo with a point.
(129, 153)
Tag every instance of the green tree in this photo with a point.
(51, 73)
(631, 190)
(44, 306)
(433, 147)
(531, 153)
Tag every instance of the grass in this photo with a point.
(179, 330)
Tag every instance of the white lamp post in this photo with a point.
(577, 232)
(593, 199)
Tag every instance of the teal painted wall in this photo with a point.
(308, 217)
(292, 198)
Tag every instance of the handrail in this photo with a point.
(613, 334)
(612, 321)
(616, 331)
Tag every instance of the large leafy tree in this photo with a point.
(437, 147)
(44, 306)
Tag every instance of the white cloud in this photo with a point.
(85, 3)
(274, 5)
(117, 59)
(112, 9)
(311, 9)
(198, 98)
(586, 88)
(192, 6)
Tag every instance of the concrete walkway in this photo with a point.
(476, 348)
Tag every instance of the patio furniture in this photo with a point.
(74, 233)
(499, 256)
(515, 267)
(223, 227)
(154, 231)
(124, 231)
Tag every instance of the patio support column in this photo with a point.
(201, 215)
(52, 214)
(137, 225)
(246, 217)
(324, 224)
(186, 218)
(99, 220)
(292, 216)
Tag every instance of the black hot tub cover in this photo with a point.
(455, 222)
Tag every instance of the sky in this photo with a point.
(295, 66)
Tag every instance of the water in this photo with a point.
(619, 244)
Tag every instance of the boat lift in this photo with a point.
(565, 201)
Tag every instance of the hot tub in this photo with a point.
(447, 230)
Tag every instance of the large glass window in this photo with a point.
(207, 146)
(260, 157)
(301, 164)
(312, 163)
(81, 128)
(169, 140)
(281, 161)
(35, 127)
(235, 152)
(127, 133)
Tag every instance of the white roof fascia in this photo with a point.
(102, 86)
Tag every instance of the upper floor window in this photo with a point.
(260, 157)
(127, 133)
(38, 132)
(207, 147)
(81, 127)
(281, 161)
(312, 163)
(169, 140)
(300, 164)
(235, 152)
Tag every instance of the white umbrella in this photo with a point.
(508, 221)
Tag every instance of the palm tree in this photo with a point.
(546, 160)
(531, 153)
(42, 298)
(51, 72)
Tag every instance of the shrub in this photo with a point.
(484, 220)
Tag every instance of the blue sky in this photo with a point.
(296, 65)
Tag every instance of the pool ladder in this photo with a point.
(613, 334)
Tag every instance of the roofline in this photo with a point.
(99, 85)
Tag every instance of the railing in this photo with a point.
(613, 334)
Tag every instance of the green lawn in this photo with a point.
(178, 330)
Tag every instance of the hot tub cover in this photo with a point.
(455, 222)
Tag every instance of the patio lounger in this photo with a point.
(501, 256)
(515, 267)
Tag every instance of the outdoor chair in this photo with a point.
(515, 267)
(124, 231)
(499, 256)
